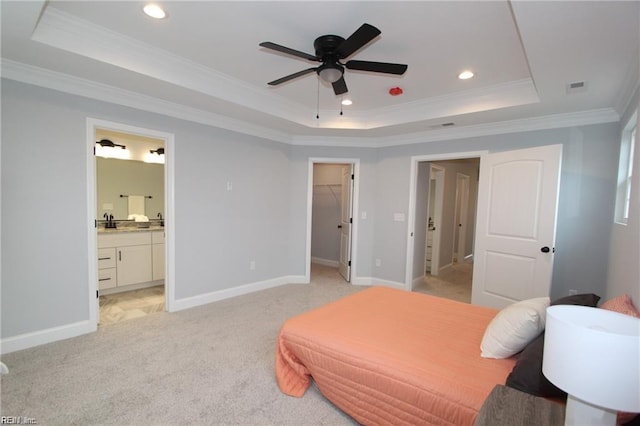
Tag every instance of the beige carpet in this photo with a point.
(208, 365)
(212, 364)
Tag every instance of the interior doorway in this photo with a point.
(130, 194)
(438, 205)
(331, 227)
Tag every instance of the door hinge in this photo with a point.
(352, 175)
(94, 150)
(95, 223)
(349, 263)
(350, 220)
(97, 294)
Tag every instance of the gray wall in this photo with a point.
(218, 232)
(585, 211)
(44, 206)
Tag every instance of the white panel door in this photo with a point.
(517, 206)
(345, 222)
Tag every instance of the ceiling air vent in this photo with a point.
(576, 87)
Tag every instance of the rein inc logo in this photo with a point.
(18, 420)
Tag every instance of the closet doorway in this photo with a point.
(331, 232)
(129, 249)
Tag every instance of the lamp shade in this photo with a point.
(594, 355)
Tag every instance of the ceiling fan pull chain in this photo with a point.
(341, 104)
(318, 102)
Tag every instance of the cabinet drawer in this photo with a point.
(106, 258)
(123, 239)
(107, 278)
(157, 237)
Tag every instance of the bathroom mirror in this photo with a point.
(118, 179)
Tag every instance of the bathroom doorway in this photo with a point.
(132, 201)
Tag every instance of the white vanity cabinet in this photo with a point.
(107, 277)
(157, 254)
(132, 259)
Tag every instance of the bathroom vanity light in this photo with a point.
(155, 156)
(108, 149)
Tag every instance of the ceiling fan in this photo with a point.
(331, 50)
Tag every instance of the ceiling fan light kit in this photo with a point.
(330, 72)
(330, 50)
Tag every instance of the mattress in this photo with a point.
(387, 356)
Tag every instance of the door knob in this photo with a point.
(545, 249)
(339, 226)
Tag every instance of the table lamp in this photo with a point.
(594, 355)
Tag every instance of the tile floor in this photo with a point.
(131, 304)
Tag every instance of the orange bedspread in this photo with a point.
(388, 356)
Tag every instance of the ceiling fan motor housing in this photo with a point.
(326, 46)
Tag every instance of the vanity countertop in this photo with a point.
(102, 230)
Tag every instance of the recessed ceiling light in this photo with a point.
(464, 75)
(347, 102)
(154, 11)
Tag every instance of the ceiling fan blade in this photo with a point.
(288, 51)
(362, 36)
(384, 67)
(340, 86)
(292, 76)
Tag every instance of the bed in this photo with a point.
(387, 356)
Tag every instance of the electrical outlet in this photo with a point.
(252, 265)
(573, 292)
(378, 262)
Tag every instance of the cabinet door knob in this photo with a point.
(120, 255)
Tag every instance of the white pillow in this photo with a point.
(514, 327)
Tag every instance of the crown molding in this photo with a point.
(581, 118)
(70, 33)
(90, 89)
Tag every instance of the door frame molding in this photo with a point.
(169, 209)
(437, 220)
(411, 217)
(355, 162)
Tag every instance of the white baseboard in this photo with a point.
(370, 281)
(326, 262)
(214, 296)
(41, 337)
